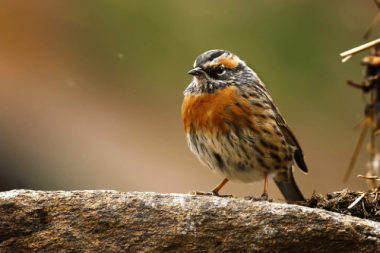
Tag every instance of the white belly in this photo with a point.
(232, 157)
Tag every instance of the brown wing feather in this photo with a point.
(289, 136)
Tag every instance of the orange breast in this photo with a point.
(212, 111)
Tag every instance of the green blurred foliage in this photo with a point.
(294, 46)
(287, 43)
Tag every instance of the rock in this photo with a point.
(111, 221)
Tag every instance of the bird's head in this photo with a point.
(216, 69)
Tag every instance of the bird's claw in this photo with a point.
(211, 193)
(255, 198)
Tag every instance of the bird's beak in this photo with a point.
(196, 72)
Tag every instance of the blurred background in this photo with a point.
(91, 91)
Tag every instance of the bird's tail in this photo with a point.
(289, 188)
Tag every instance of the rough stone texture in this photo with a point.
(110, 221)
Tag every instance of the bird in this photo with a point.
(234, 128)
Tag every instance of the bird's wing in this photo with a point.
(288, 134)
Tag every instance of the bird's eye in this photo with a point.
(220, 70)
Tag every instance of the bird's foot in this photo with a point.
(255, 198)
(211, 193)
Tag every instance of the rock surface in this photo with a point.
(110, 221)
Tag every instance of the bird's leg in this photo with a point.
(213, 192)
(264, 196)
